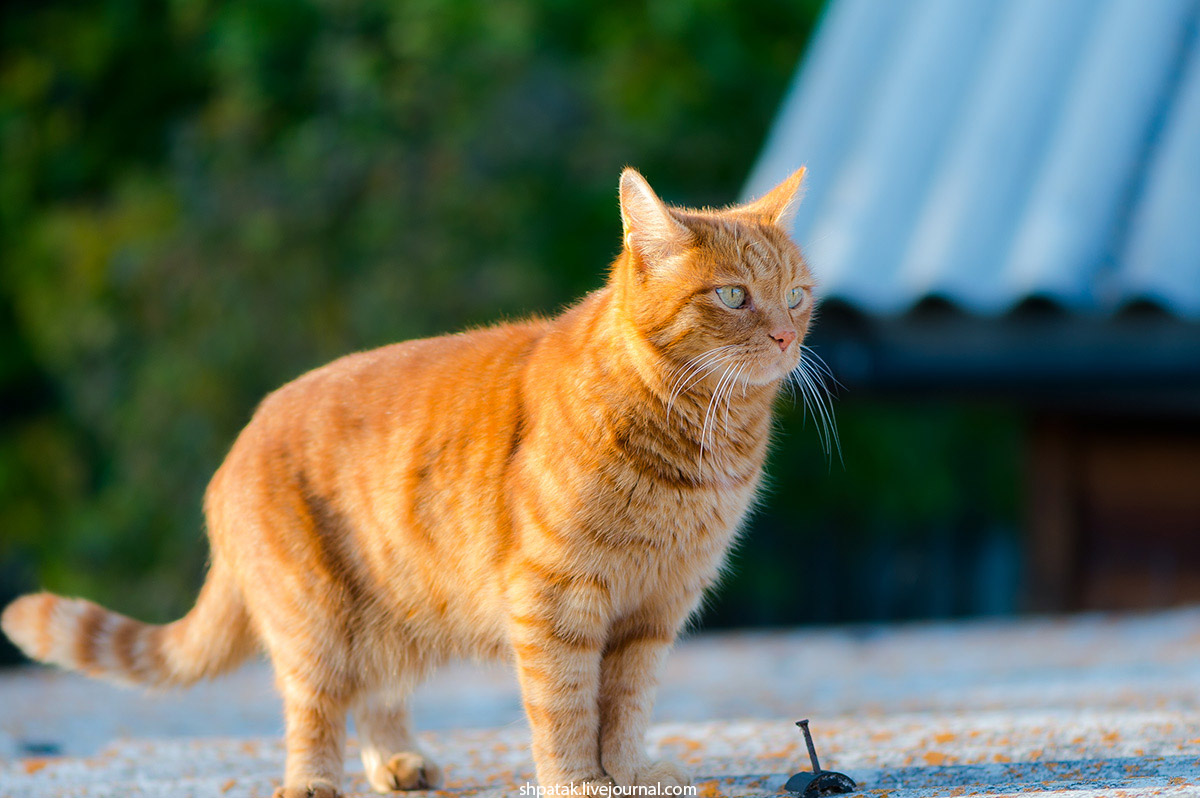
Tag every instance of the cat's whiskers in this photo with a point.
(810, 391)
(704, 426)
(729, 394)
(700, 367)
(789, 384)
(707, 372)
(728, 397)
(676, 374)
(819, 363)
(724, 384)
(679, 373)
(813, 365)
(810, 377)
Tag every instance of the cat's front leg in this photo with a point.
(630, 667)
(557, 639)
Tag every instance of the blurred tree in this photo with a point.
(200, 200)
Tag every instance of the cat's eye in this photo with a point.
(734, 296)
(796, 296)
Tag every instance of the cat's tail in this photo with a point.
(213, 638)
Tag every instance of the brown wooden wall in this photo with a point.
(1113, 512)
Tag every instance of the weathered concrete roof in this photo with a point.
(1081, 706)
(995, 151)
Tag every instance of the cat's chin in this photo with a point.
(773, 375)
(770, 373)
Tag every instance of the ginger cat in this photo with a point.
(556, 492)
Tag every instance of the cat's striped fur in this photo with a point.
(558, 492)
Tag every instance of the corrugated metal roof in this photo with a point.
(990, 152)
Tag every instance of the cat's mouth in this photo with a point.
(773, 366)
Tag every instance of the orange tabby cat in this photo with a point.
(557, 492)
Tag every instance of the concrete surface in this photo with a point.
(1079, 706)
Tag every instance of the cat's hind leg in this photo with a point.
(311, 673)
(389, 752)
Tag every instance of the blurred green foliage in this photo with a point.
(201, 200)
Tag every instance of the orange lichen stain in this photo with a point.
(1001, 758)
(688, 743)
(973, 733)
(1139, 752)
(1110, 737)
(1035, 754)
(787, 752)
(881, 736)
(1178, 781)
(709, 789)
(249, 747)
(959, 791)
(229, 785)
(934, 758)
(945, 737)
(31, 766)
(1078, 740)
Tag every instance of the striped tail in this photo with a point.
(76, 634)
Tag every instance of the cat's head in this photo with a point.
(726, 289)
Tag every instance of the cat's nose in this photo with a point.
(784, 337)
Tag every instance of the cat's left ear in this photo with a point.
(778, 204)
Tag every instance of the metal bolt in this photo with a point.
(819, 782)
(812, 749)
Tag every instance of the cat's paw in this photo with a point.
(651, 772)
(665, 772)
(405, 771)
(596, 784)
(579, 779)
(314, 789)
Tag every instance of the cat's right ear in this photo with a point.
(651, 232)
